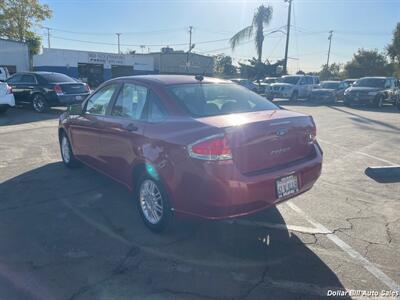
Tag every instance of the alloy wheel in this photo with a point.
(38, 103)
(151, 201)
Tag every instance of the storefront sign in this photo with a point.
(106, 58)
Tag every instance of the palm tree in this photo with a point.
(261, 18)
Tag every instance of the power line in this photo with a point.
(136, 45)
(112, 33)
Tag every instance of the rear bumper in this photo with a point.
(220, 191)
(66, 99)
(7, 100)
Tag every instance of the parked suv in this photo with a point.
(372, 90)
(293, 87)
(45, 89)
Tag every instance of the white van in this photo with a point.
(4, 73)
(293, 87)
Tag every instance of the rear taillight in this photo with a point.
(87, 88)
(9, 89)
(57, 89)
(214, 147)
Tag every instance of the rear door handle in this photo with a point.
(132, 127)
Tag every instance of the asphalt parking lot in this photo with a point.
(74, 234)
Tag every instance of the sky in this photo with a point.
(92, 24)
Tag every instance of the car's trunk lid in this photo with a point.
(73, 88)
(267, 139)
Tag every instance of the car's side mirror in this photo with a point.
(75, 109)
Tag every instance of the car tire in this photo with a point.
(39, 103)
(379, 102)
(293, 97)
(67, 154)
(4, 108)
(153, 203)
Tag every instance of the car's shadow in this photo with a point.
(78, 228)
(25, 114)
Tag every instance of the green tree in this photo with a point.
(18, 17)
(262, 17)
(256, 70)
(331, 72)
(367, 63)
(224, 66)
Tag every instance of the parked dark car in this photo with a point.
(45, 89)
(350, 81)
(329, 92)
(373, 91)
(190, 145)
(247, 84)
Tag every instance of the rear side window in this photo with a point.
(155, 112)
(28, 79)
(202, 100)
(130, 101)
(98, 103)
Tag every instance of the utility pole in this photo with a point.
(48, 36)
(287, 36)
(119, 49)
(329, 50)
(190, 48)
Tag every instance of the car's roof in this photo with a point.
(174, 79)
(39, 73)
(330, 81)
(375, 77)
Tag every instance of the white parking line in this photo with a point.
(284, 227)
(350, 251)
(359, 152)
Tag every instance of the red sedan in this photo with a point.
(192, 145)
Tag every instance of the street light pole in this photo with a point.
(48, 36)
(287, 37)
(190, 48)
(329, 50)
(119, 49)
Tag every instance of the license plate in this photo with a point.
(78, 98)
(287, 186)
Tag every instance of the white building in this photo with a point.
(92, 67)
(14, 55)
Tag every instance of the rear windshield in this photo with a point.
(289, 79)
(370, 82)
(330, 85)
(55, 78)
(202, 100)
